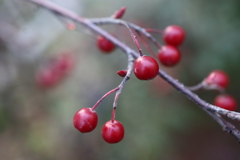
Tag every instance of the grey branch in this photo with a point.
(212, 110)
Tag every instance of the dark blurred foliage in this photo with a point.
(160, 123)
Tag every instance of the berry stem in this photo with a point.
(150, 30)
(202, 85)
(113, 114)
(104, 96)
(92, 25)
(104, 21)
(196, 87)
(128, 25)
(147, 45)
(119, 87)
(134, 37)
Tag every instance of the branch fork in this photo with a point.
(93, 24)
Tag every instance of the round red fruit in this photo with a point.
(146, 68)
(169, 55)
(173, 35)
(226, 102)
(85, 120)
(113, 131)
(47, 78)
(63, 64)
(105, 45)
(217, 79)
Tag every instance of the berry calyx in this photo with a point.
(146, 68)
(216, 79)
(113, 131)
(173, 35)
(122, 73)
(104, 44)
(169, 55)
(85, 120)
(226, 102)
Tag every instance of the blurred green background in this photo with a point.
(160, 123)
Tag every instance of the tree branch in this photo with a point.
(226, 126)
(212, 110)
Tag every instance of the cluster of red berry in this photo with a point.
(86, 119)
(169, 55)
(219, 80)
(146, 68)
(55, 71)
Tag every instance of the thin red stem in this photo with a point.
(134, 37)
(113, 114)
(175, 83)
(104, 96)
(150, 30)
(137, 44)
(91, 25)
(147, 46)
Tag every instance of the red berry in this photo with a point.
(55, 71)
(105, 45)
(169, 55)
(217, 79)
(46, 78)
(145, 68)
(122, 73)
(173, 35)
(113, 131)
(226, 102)
(85, 120)
(63, 64)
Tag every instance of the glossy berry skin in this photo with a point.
(169, 55)
(226, 102)
(85, 120)
(217, 78)
(105, 45)
(113, 131)
(173, 35)
(146, 68)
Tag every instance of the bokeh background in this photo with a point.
(160, 123)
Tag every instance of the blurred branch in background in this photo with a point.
(25, 40)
